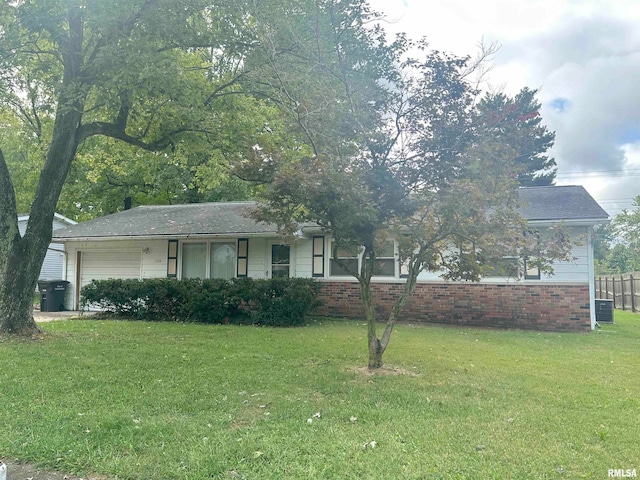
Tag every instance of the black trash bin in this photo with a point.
(52, 294)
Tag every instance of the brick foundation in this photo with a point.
(559, 307)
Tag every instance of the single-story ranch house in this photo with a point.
(220, 240)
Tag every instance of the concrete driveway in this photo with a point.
(50, 316)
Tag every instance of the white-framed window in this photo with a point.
(222, 260)
(280, 260)
(209, 259)
(350, 260)
(194, 260)
(531, 272)
(385, 264)
(508, 266)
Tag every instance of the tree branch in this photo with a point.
(115, 131)
(126, 101)
(222, 87)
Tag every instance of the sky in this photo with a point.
(582, 55)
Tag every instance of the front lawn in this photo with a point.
(136, 400)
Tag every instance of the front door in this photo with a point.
(280, 261)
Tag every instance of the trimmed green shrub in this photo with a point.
(162, 299)
(281, 302)
(214, 301)
(121, 297)
(273, 302)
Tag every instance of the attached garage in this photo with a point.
(105, 264)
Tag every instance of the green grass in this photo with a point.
(136, 400)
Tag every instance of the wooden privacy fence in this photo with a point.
(623, 289)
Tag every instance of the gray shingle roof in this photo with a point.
(571, 203)
(223, 218)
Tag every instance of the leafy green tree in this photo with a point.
(621, 259)
(23, 156)
(106, 171)
(159, 75)
(624, 256)
(603, 239)
(627, 225)
(516, 121)
(401, 154)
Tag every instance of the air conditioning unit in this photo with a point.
(604, 311)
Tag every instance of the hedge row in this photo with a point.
(273, 302)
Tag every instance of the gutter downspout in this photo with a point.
(592, 278)
(64, 275)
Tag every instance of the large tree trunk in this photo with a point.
(17, 285)
(17, 288)
(21, 258)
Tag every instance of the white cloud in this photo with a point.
(584, 55)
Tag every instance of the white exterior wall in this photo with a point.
(260, 257)
(153, 263)
(302, 257)
(575, 271)
(257, 267)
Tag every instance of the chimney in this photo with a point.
(127, 203)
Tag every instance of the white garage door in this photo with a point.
(109, 264)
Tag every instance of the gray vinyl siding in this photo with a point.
(52, 268)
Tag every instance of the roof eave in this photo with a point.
(164, 236)
(62, 218)
(570, 221)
